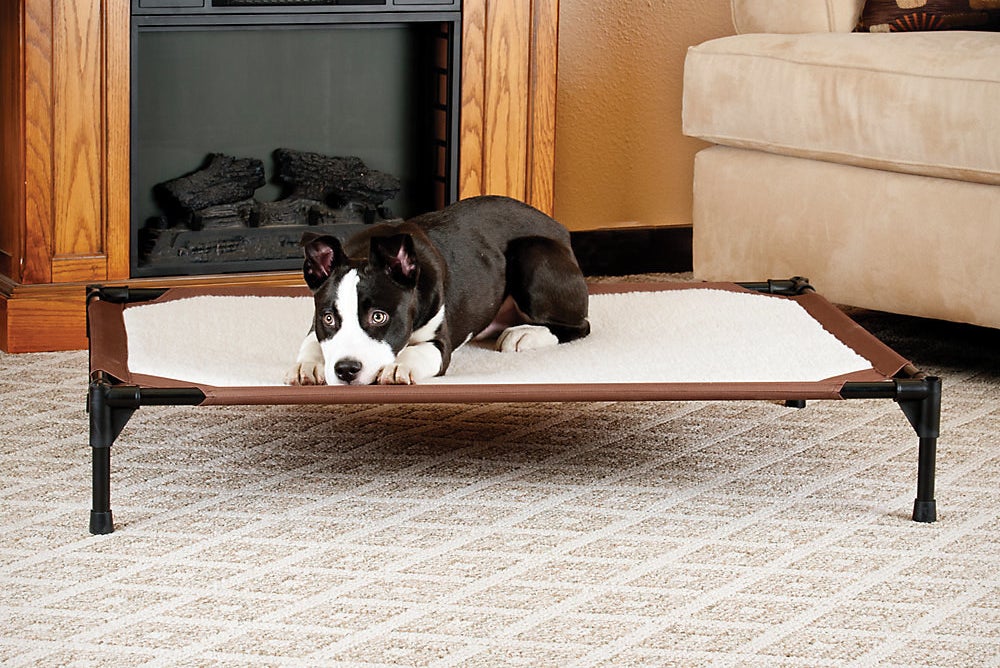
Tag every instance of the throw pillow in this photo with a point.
(909, 15)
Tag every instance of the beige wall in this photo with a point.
(620, 156)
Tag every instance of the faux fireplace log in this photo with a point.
(223, 180)
(222, 191)
(338, 181)
(212, 216)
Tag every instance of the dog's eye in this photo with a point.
(378, 317)
(329, 319)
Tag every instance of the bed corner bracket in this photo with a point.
(110, 408)
(791, 287)
(919, 397)
(122, 294)
(920, 400)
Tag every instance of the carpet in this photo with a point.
(608, 534)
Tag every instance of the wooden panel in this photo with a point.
(470, 177)
(509, 55)
(116, 175)
(506, 105)
(74, 268)
(77, 142)
(38, 125)
(11, 141)
(50, 318)
(542, 97)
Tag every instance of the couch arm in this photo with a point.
(796, 16)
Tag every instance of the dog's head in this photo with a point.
(364, 307)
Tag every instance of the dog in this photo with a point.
(393, 302)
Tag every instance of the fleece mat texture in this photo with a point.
(696, 335)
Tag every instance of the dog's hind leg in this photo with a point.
(546, 284)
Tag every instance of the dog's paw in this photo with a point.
(395, 374)
(413, 364)
(309, 368)
(306, 373)
(525, 337)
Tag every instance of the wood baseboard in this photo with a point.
(43, 318)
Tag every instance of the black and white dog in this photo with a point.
(394, 302)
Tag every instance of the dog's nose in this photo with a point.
(347, 369)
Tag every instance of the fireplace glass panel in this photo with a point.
(380, 91)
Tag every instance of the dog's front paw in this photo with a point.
(395, 374)
(306, 373)
(309, 368)
(414, 364)
(525, 337)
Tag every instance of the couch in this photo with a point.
(868, 162)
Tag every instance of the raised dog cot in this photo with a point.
(650, 342)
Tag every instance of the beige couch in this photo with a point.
(869, 163)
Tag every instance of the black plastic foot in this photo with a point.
(101, 522)
(925, 511)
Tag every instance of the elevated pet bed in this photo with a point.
(776, 340)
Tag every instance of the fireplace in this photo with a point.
(253, 121)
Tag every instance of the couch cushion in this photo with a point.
(907, 15)
(920, 102)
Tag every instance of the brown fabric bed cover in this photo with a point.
(115, 392)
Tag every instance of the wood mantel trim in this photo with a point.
(65, 217)
(35, 254)
(117, 59)
(510, 50)
(542, 76)
(12, 140)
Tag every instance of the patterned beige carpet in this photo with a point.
(682, 534)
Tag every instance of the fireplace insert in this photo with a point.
(253, 121)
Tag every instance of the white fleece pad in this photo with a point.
(694, 335)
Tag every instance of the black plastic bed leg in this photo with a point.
(106, 422)
(921, 402)
(101, 521)
(924, 506)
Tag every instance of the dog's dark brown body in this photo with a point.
(393, 302)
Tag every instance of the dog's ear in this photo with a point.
(323, 253)
(395, 256)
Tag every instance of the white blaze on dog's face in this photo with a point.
(352, 352)
(364, 311)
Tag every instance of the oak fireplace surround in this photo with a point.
(65, 127)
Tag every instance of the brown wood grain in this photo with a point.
(11, 141)
(51, 318)
(506, 103)
(541, 130)
(76, 141)
(471, 151)
(116, 128)
(80, 267)
(38, 126)
(508, 99)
